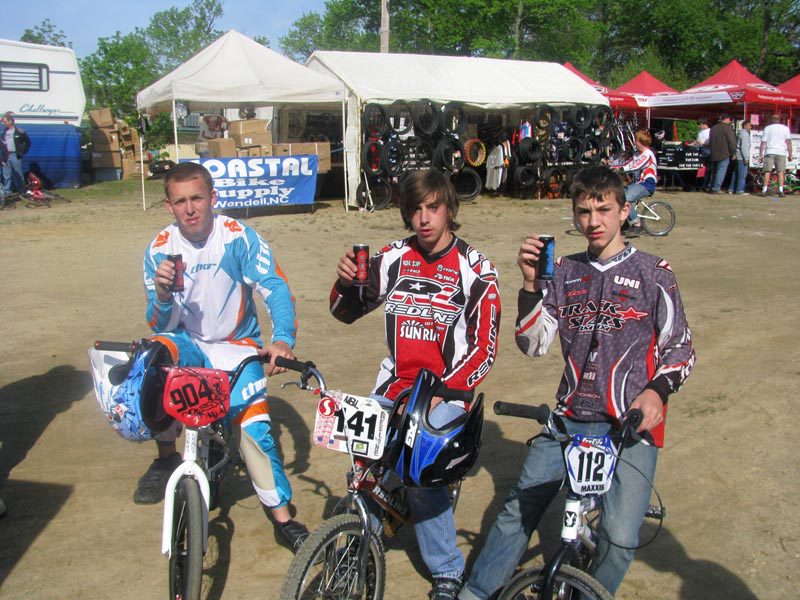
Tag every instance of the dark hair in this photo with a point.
(776, 118)
(185, 172)
(418, 186)
(724, 116)
(702, 121)
(597, 182)
(9, 115)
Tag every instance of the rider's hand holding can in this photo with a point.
(536, 260)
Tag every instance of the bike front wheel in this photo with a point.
(327, 564)
(657, 218)
(570, 584)
(186, 558)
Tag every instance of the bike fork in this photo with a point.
(188, 468)
(363, 550)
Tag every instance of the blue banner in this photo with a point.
(254, 181)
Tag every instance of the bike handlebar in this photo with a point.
(537, 413)
(449, 394)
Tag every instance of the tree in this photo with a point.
(175, 35)
(46, 33)
(119, 68)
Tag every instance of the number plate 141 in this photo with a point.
(347, 422)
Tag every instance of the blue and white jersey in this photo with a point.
(217, 308)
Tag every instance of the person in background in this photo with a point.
(723, 148)
(742, 160)
(776, 147)
(211, 128)
(702, 142)
(17, 144)
(646, 165)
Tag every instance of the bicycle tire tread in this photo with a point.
(590, 588)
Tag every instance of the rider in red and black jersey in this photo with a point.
(442, 312)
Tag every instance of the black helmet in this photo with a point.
(424, 456)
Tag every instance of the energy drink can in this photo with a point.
(180, 266)
(362, 263)
(547, 257)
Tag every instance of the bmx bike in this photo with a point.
(590, 462)
(344, 558)
(199, 398)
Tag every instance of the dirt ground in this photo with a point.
(72, 274)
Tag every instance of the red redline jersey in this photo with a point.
(442, 312)
(622, 329)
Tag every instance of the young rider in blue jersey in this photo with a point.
(213, 323)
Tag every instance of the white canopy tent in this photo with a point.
(237, 71)
(484, 83)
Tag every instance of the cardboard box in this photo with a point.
(222, 147)
(184, 151)
(321, 149)
(248, 126)
(104, 160)
(105, 139)
(242, 152)
(245, 140)
(123, 128)
(101, 117)
(132, 169)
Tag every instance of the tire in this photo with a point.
(555, 180)
(426, 117)
(449, 154)
(324, 566)
(468, 184)
(398, 113)
(544, 116)
(569, 583)
(186, 561)
(393, 157)
(475, 152)
(601, 116)
(53, 197)
(454, 118)
(524, 176)
(380, 190)
(665, 222)
(371, 154)
(424, 153)
(580, 117)
(374, 121)
(32, 202)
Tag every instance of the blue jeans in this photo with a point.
(13, 178)
(720, 170)
(434, 523)
(738, 178)
(633, 193)
(623, 510)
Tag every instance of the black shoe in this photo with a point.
(779, 194)
(634, 231)
(151, 486)
(445, 588)
(293, 533)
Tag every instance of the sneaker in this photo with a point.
(779, 194)
(634, 230)
(151, 486)
(445, 588)
(730, 191)
(294, 533)
(742, 193)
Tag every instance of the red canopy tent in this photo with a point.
(644, 84)
(792, 86)
(732, 89)
(617, 101)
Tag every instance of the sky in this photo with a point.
(84, 21)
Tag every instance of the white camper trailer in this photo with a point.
(40, 84)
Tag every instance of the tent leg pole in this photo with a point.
(344, 157)
(175, 131)
(141, 170)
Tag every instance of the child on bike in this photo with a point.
(441, 312)
(626, 344)
(212, 322)
(644, 162)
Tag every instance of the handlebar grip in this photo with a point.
(511, 409)
(292, 365)
(633, 418)
(450, 394)
(114, 346)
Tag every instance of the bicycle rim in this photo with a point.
(570, 584)
(657, 218)
(186, 560)
(327, 564)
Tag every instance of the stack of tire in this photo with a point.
(408, 136)
(564, 140)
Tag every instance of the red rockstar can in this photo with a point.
(180, 267)
(362, 263)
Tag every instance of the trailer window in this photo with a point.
(24, 76)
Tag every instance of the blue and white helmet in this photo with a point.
(133, 405)
(425, 456)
